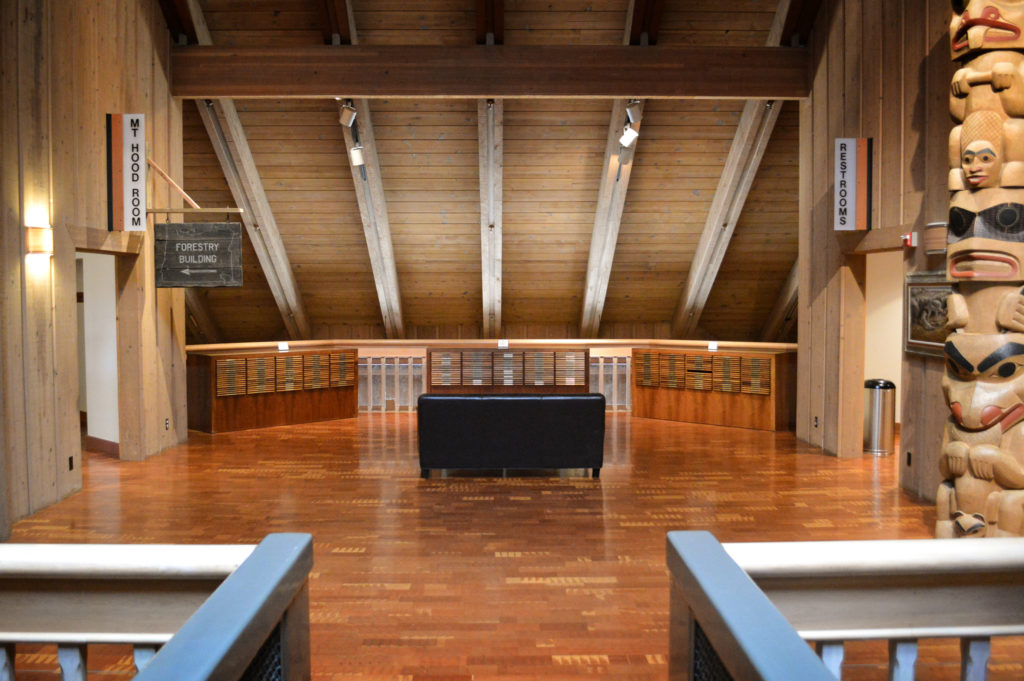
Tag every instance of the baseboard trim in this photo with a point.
(101, 446)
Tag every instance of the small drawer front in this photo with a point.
(231, 377)
(673, 370)
(445, 368)
(259, 375)
(316, 371)
(646, 368)
(699, 380)
(343, 368)
(289, 373)
(570, 368)
(727, 374)
(538, 367)
(476, 367)
(508, 368)
(757, 375)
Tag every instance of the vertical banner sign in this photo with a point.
(126, 172)
(852, 189)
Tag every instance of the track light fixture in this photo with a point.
(356, 154)
(634, 111)
(629, 136)
(347, 114)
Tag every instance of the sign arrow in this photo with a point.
(187, 272)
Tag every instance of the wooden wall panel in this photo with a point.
(765, 243)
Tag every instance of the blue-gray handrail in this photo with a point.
(751, 638)
(220, 640)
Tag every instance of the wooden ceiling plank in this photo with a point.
(373, 210)
(780, 319)
(492, 72)
(752, 136)
(490, 126)
(233, 152)
(199, 317)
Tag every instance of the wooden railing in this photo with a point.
(191, 613)
(831, 592)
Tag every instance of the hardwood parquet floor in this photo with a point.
(533, 576)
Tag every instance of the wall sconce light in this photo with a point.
(629, 136)
(347, 114)
(39, 240)
(356, 154)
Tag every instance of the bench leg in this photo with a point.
(595, 472)
(425, 473)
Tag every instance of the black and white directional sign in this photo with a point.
(198, 254)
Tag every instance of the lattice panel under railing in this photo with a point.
(445, 368)
(259, 375)
(289, 373)
(646, 368)
(699, 380)
(231, 377)
(707, 665)
(316, 371)
(343, 368)
(476, 367)
(673, 370)
(726, 373)
(538, 367)
(699, 363)
(508, 368)
(757, 375)
(570, 367)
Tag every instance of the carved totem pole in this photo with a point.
(982, 457)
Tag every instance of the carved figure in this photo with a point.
(979, 25)
(983, 443)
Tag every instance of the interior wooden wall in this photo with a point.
(65, 65)
(881, 70)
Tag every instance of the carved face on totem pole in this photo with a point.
(985, 239)
(985, 25)
(984, 380)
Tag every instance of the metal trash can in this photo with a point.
(879, 416)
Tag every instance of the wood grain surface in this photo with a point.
(534, 576)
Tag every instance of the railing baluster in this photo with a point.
(902, 657)
(142, 656)
(831, 653)
(974, 654)
(72, 662)
(7, 662)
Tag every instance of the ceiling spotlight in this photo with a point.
(634, 111)
(356, 154)
(629, 136)
(347, 114)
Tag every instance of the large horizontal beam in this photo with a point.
(492, 71)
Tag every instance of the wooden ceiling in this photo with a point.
(552, 157)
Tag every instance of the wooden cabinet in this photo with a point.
(741, 389)
(488, 371)
(237, 390)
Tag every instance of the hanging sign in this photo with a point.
(852, 191)
(197, 254)
(126, 172)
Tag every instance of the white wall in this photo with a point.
(100, 337)
(81, 334)
(883, 324)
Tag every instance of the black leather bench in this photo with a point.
(489, 432)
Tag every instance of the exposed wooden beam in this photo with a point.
(752, 136)
(336, 25)
(490, 132)
(179, 21)
(373, 211)
(232, 149)
(783, 314)
(645, 22)
(207, 72)
(490, 22)
(89, 240)
(199, 318)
